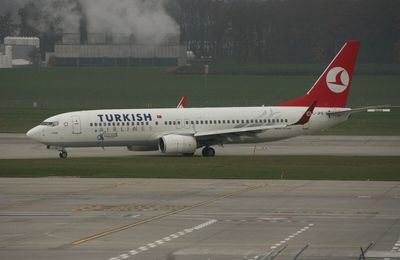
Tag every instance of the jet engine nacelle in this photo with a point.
(177, 144)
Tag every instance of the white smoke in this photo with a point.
(146, 20)
(62, 15)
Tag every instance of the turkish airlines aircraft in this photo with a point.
(183, 131)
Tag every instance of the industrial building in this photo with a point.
(102, 49)
(18, 51)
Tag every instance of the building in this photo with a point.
(103, 49)
(20, 50)
(6, 59)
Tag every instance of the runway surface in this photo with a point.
(113, 219)
(18, 146)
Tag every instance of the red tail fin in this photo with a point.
(332, 87)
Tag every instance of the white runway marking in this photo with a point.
(286, 239)
(364, 197)
(291, 236)
(163, 240)
(395, 248)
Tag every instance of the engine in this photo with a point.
(177, 144)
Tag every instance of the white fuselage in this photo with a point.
(140, 129)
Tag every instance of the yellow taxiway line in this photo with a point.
(163, 215)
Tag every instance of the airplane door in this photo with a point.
(187, 123)
(76, 125)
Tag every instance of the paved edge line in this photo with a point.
(163, 215)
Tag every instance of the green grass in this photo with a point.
(59, 90)
(275, 167)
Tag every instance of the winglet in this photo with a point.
(182, 102)
(307, 115)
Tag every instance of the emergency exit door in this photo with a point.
(76, 125)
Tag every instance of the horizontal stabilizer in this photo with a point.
(355, 110)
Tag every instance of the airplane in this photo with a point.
(183, 131)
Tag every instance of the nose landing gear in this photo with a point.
(208, 151)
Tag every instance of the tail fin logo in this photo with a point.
(337, 79)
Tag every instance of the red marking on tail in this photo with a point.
(182, 103)
(332, 87)
(338, 79)
(307, 115)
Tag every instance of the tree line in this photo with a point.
(259, 31)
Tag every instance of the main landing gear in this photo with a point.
(63, 154)
(208, 151)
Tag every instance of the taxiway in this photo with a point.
(115, 219)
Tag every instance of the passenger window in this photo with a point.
(174, 122)
(247, 121)
(206, 122)
(187, 122)
(273, 120)
(286, 120)
(219, 121)
(215, 122)
(156, 122)
(179, 122)
(223, 121)
(201, 122)
(118, 124)
(228, 121)
(123, 124)
(192, 122)
(91, 124)
(197, 122)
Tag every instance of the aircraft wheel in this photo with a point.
(208, 152)
(63, 154)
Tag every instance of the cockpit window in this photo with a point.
(51, 124)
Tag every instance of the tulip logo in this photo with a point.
(337, 79)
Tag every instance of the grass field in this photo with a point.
(64, 89)
(279, 167)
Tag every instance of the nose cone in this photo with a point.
(33, 133)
